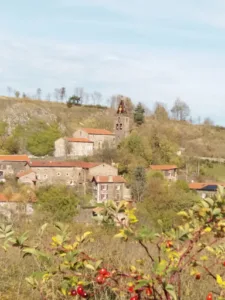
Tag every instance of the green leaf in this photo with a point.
(216, 211)
(141, 283)
(210, 201)
(89, 266)
(171, 291)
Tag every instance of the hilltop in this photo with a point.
(203, 140)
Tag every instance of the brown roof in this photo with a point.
(64, 164)
(201, 185)
(14, 158)
(23, 173)
(97, 131)
(78, 140)
(163, 167)
(108, 179)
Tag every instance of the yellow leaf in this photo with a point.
(208, 229)
(57, 239)
(204, 257)
(63, 291)
(220, 281)
(132, 268)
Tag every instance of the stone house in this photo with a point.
(109, 188)
(73, 147)
(10, 165)
(207, 189)
(27, 177)
(15, 206)
(169, 171)
(71, 173)
(100, 137)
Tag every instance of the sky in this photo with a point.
(150, 51)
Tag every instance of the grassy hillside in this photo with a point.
(198, 140)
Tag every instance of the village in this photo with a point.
(100, 179)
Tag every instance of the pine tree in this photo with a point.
(139, 117)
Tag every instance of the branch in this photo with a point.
(146, 250)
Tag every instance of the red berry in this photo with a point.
(135, 297)
(198, 276)
(80, 290)
(103, 272)
(148, 291)
(169, 244)
(85, 295)
(224, 263)
(131, 289)
(73, 293)
(209, 296)
(100, 279)
(108, 274)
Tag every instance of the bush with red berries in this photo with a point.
(195, 246)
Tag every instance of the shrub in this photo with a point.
(41, 141)
(59, 202)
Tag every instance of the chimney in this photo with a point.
(110, 178)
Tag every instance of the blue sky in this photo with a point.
(147, 50)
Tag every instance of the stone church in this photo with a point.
(86, 141)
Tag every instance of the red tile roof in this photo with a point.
(201, 185)
(108, 179)
(163, 167)
(78, 140)
(64, 164)
(23, 173)
(97, 131)
(14, 158)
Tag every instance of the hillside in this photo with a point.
(198, 140)
(21, 111)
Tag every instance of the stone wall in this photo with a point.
(102, 170)
(100, 140)
(12, 168)
(8, 209)
(60, 175)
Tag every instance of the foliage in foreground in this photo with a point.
(197, 247)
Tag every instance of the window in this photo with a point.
(104, 197)
(67, 174)
(118, 187)
(121, 126)
(46, 176)
(117, 126)
(104, 187)
(58, 174)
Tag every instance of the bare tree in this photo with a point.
(97, 97)
(208, 122)
(87, 98)
(9, 90)
(180, 110)
(24, 95)
(57, 94)
(48, 97)
(39, 93)
(62, 93)
(79, 92)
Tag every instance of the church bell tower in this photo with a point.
(122, 124)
